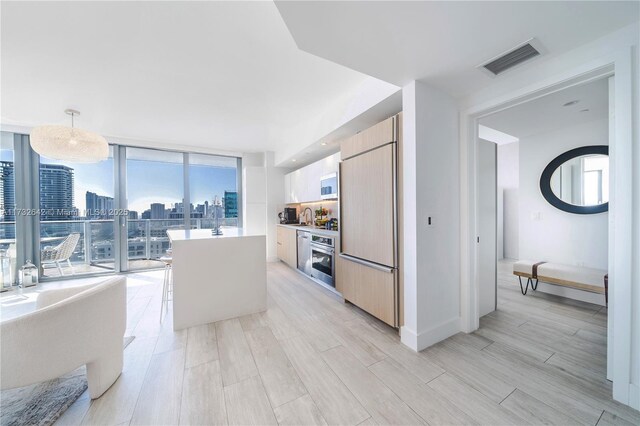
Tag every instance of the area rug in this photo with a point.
(43, 403)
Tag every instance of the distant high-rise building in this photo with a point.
(132, 215)
(177, 212)
(230, 201)
(157, 211)
(98, 206)
(56, 192)
(146, 214)
(7, 192)
(202, 210)
(179, 209)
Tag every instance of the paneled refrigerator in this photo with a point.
(367, 270)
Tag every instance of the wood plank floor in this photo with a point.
(311, 359)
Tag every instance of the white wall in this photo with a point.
(254, 193)
(487, 215)
(559, 236)
(635, 276)
(508, 214)
(431, 182)
(274, 203)
(262, 197)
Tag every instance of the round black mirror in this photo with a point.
(577, 181)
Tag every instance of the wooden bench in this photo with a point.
(578, 277)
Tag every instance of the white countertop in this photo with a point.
(313, 229)
(199, 234)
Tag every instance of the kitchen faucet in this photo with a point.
(304, 212)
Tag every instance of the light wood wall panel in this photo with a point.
(287, 246)
(367, 205)
(370, 138)
(368, 288)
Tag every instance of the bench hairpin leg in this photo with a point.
(524, 291)
(534, 287)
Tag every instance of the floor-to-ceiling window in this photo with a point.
(156, 203)
(213, 190)
(76, 217)
(7, 211)
(111, 216)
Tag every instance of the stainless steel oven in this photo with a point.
(323, 258)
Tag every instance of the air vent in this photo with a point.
(514, 57)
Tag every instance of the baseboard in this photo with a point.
(272, 259)
(409, 338)
(431, 336)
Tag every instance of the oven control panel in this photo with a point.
(321, 239)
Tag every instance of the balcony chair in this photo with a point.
(70, 327)
(60, 253)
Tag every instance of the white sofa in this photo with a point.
(71, 327)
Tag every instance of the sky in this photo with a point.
(155, 182)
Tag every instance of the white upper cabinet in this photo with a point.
(303, 185)
(313, 173)
(329, 164)
(298, 186)
(288, 194)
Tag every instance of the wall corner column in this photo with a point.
(431, 189)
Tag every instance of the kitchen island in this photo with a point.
(217, 277)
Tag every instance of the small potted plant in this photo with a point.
(321, 214)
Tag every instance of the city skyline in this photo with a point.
(206, 182)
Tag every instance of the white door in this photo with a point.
(487, 218)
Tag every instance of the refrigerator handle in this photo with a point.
(373, 265)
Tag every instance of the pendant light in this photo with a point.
(69, 143)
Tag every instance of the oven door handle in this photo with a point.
(322, 249)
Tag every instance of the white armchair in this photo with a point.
(70, 327)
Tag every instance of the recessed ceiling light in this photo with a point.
(293, 159)
(571, 103)
(323, 144)
(584, 110)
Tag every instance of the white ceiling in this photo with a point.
(442, 42)
(548, 113)
(330, 143)
(217, 75)
(495, 136)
